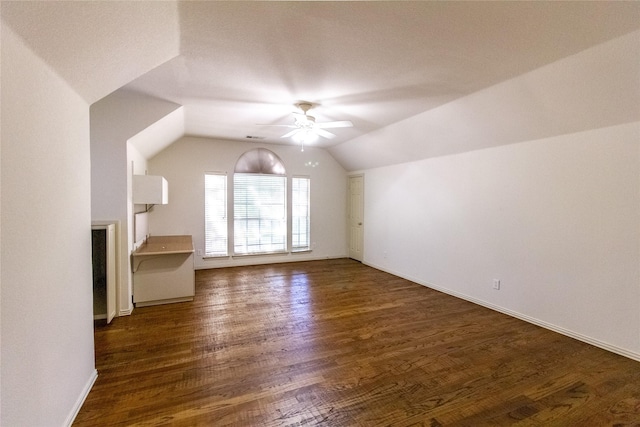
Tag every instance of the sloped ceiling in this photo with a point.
(240, 65)
(97, 46)
(160, 135)
(596, 88)
(374, 63)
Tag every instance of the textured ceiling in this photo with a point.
(235, 65)
(97, 46)
(374, 63)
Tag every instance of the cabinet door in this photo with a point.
(159, 279)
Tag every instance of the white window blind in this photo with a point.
(260, 214)
(300, 214)
(215, 215)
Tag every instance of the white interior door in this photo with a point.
(356, 216)
(103, 238)
(111, 272)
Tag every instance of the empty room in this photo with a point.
(320, 213)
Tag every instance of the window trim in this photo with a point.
(308, 248)
(269, 164)
(226, 214)
(232, 220)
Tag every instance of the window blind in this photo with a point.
(215, 215)
(260, 214)
(300, 214)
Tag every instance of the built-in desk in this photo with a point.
(163, 271)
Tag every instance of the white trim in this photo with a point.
(83, 396)
(589, 340)
(163, 301)
(240, 255)
(126, 312)
(292, 257)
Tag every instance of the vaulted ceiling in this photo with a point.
(236, 66)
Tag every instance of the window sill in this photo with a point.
(216, 257)
(261, 254)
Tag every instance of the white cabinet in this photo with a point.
(150, 190)
(163, 271)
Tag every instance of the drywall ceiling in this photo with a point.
(374, 63)
(236, 65)
(97, 46)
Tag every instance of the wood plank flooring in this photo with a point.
(336, 343)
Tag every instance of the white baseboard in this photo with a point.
(589, 340)
(83, 396)
(225, 262)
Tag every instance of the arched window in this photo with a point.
(259, 203)
(260, 208)
(260, 161)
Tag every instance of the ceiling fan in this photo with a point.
(306, 129)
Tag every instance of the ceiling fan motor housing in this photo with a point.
(306, 122)
(304, 106)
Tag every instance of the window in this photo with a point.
(215, 215)
(300, 214)
(259, 208)
(260, 213)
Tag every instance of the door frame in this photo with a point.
(355, 255)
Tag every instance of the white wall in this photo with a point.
(47, 321)
(137, 166)
(533, 181)
(184, 163)
(556, 220)
(114, 120)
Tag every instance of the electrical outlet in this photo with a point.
(199, 252)
(496, 284)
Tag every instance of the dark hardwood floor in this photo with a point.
(336, 343)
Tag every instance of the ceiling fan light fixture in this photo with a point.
(305, 122)
(305, 136)
(306, 130)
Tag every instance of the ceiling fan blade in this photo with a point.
(338, 124)
(324, 133)
(288, 134)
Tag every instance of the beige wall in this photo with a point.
(114, 120)
(556, 220)
(547, 201)
(184, 163)
(47, 321)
